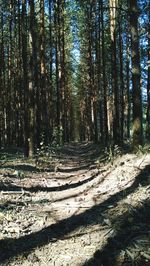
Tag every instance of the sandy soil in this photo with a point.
(75, 207)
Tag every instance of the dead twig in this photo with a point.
(14, 192)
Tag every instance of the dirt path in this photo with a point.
(72, 209)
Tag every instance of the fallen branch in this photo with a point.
(13, 192)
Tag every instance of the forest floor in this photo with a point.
(75, 206)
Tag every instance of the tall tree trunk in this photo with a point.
(64, 88)
(51, 118)
(25, 78)
(121, 80)
(10, 88)
(2, 89)
(105, 119)
(57, 57)
(136, 73)
(128, 96)
(32, 77)
(148, 85)
(43, 88)
(113, 20)
(98, 36)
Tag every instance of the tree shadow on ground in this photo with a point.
(22, 167)
(84, 191)
(132, 225)
(73, 169)
(11, 153)
(89, 150)
(9, 205)
(9, 187)
(12, 247)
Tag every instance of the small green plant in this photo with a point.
(57, 137)
(143, 149)
(113, 152)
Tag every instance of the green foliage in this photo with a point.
(145, 149)
(57, 137)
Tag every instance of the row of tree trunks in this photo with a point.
(46, 84)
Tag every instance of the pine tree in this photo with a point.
(136, 74)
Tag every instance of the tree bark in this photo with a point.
(113, 20)
(136, 75)
(25, 78)
(148, 86)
